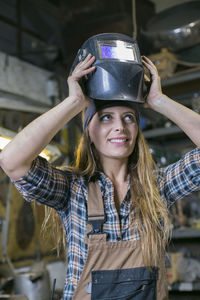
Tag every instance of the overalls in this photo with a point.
(115, 270)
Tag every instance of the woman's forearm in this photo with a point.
(183, 117)
(17, 156)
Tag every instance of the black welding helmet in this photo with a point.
(119, 73)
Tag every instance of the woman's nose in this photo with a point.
(119, 125)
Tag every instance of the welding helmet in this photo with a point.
(119, 73)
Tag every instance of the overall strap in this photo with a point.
(96, 216)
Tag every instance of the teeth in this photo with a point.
(118, 140)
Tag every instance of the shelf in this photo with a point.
(185, 233)
(152, 133)
(181, 77)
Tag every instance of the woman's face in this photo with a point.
(113, 131)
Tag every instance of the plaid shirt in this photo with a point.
(67, 193)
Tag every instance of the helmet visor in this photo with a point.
(117, 50)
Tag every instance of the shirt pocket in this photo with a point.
(126, 284)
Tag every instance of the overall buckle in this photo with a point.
(97, 225)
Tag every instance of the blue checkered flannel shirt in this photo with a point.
(67, 194)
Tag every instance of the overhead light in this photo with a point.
(4, 140)
(50, 153)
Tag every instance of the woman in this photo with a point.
(113, 204)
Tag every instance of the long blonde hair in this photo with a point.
(151, 216)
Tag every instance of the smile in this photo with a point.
(118, 140)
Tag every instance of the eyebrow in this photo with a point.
(111, 112)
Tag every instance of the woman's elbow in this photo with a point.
(10, 166)
(5, 163)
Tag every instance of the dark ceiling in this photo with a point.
(79, 21)
(49, 33)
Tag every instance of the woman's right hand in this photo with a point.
(82, 69)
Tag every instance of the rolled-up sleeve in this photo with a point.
(45, 184)
(181, 178)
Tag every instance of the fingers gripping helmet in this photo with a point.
(119, 73)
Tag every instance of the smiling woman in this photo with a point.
(114, 201)
(113, 131)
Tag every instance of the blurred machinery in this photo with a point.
(175, 28)
(173, 37)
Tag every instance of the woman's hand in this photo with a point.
(155, 92)
(81, 70)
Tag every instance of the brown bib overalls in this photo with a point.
(115, 270)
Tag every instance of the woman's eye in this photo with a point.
(105, 118)
(129, 117)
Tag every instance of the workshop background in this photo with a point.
(38, 43)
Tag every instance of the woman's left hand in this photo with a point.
(155, 91)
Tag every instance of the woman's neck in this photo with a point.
(115, 169)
